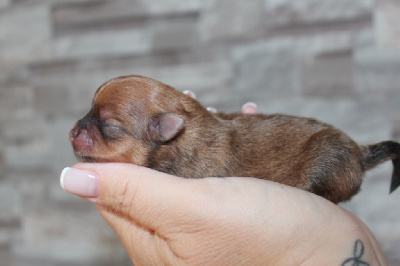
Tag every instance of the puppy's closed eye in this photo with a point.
(110, 130)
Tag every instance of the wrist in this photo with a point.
(343, 241)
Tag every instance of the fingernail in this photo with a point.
(190, 93)
(250, 104)
(211, 109)
(79, 182)
(249, 108)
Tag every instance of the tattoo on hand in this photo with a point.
(358, 252)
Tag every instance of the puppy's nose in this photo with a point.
(74, 133)
(80, 138)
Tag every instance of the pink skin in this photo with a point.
(80, 139)
(249, 108)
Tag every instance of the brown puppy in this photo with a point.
(139, 120)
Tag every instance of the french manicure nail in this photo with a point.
(211, 109)
(190, 93)
(250, 104)
(79, 182)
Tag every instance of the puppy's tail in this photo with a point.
(381, 152)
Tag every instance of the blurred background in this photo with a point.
(335, 60)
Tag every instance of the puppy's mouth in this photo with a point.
(84, 157)
(87, 159)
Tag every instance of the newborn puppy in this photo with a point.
(139, 120)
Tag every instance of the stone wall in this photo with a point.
(336, 60)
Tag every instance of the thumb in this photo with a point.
(138, 194)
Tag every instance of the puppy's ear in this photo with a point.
(166, 126)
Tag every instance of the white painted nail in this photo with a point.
(211, 109)
(190, 93)
(79, 182)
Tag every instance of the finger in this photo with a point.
(190, 93)
(249, 108)
(145, 196)
(211, 110)
(143, 245)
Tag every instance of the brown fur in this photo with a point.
(139, 120)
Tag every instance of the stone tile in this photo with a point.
(364, 39)
(396, 129)
(386, 17)
(266, 70)
(286, 12)
(4, 3)
(10, 206)
(63, 89)
(10, 219)
(337, 42)
(110, 43)
(2, 168)
(62, 153)
(70, 15)
(376, 70)
(19, 45)
(36, 189)
(171, 7)
(56, 236)
(50, 2)
(17, 261)
(197, 77)
(5, 255)
(35, 146)
(16, 101)
(328, 75)
(229, 19)
(202, 54)
(32, 193)
(175, 34)
(24, 132)
(54, 101)
(32, 156)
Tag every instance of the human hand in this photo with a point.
(163, 219)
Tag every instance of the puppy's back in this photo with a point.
(297, 151)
